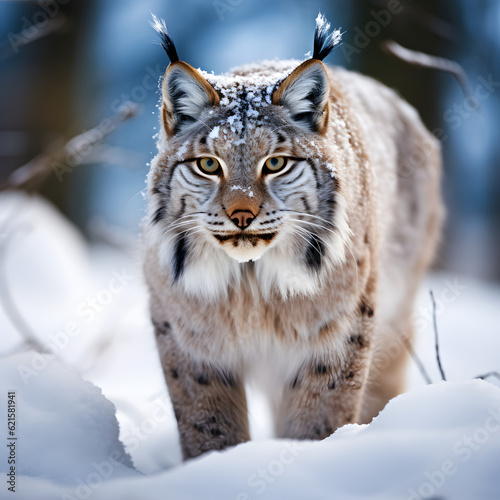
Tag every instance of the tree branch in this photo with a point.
(418, 362)
(436, 339)
(433, 62)
(33, 174)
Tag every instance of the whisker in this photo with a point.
(295, 212)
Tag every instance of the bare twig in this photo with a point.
(421, 17)
(418, 362)
(9, 306)
(427, 61)
(31, 176)
(53, 25)
(488, 375)
(436, 339)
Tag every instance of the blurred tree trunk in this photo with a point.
(39, 108)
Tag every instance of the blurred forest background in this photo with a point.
(67, 66)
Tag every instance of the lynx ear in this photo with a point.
(306, 90)
(186, 94)
(305, 94)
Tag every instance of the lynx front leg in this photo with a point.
(325, 396)
(209, 403)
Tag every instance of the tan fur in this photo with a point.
(323, 351)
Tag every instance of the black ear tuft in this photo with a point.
(324, 42)
(165, 39)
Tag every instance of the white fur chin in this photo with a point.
(245, 252)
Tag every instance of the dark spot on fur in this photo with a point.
(215, 431)
(357, 340)
(305, 203)
(350, 375)
(267, 236)
(281, 138)
(365, 309)
(226, 378)
(321, 369)
(180, 255)
(332, 385)
(163, 328)
(202, 379)
(156, 190)
(317, 431)
(159, 214)
(203, 140)
(314, 253)
(295, 381)
(349, 418)
(199, 427)
(222, 238)
(212, 420)
(175, 373)
(367, 240)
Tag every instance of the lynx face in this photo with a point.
(245, 174)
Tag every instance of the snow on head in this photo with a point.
(245, 91)
(214, 133)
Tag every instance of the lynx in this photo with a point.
(293, 208)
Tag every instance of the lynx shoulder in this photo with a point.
(293, 208)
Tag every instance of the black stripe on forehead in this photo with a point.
(180, 256)
(314, 171)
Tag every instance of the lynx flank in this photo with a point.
(292, 210)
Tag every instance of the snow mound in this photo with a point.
(66, 429)
(442, 441)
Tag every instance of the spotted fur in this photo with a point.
(309, 295)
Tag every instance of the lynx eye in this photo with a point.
(275, 164)
(208, 165)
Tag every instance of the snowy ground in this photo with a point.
(88, 305)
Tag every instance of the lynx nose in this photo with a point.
(242, 218)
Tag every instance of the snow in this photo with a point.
(245, 190)
(97, 423)
(323, 28)
(214, 132)
(66, 429)
(257, 82)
